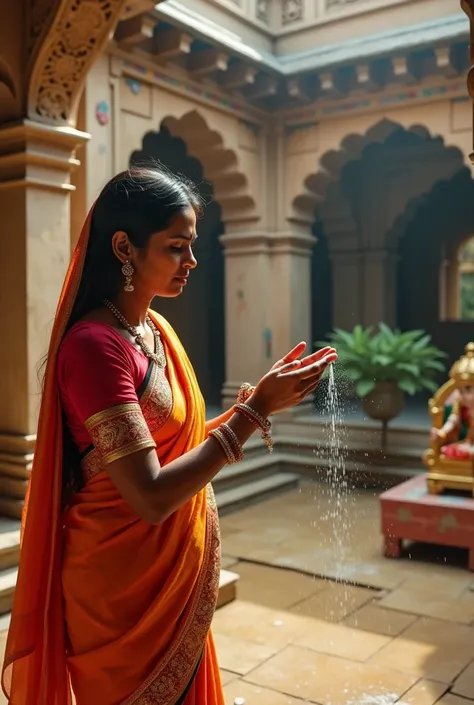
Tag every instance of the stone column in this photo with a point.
(47, 52)
(35, 187)
(249, 349)
(347, 287)
(468, 7)
(380, 287)
(290, 290)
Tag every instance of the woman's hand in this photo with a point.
(291, 379)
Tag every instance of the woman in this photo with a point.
(119, 566)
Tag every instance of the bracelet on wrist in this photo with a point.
(229, 443)
(245, 392)
(257, 420)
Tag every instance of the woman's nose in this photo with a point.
(191, 261)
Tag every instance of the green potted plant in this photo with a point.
(386, 364)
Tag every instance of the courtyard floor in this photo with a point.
(322, 617)
(392, 631)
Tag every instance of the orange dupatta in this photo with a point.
(35, 670)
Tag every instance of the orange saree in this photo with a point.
(120, 608)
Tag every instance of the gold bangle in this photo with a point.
(245, 392)
(224, 444)
(263, 424)
(233, 441)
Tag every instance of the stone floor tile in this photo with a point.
(429, 604)
(327, 679)
(274, 587)
(334, 603)
(431, 649)
(447, 585)
(227, 677)
(378, 620)
(240, 656)
(450, 699)
(297, 530)
(255, 695)
(464, 684)
(338, 640)
(424, 693)
(250, 622)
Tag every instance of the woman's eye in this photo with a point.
(176, 249)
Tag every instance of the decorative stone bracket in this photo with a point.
(64, 42)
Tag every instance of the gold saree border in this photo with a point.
(119, 431)
(169, 679)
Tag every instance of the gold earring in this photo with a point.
(128, 272)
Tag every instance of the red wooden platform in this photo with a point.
(410, 512)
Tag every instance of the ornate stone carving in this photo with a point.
(292, 11)
(262, 10)
(38, 18)
(330, 4)
(77, 32)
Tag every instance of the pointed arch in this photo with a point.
(220, 164)
(332, 162)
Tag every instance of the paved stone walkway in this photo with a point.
(401, 632)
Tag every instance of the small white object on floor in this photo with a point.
(239, 701)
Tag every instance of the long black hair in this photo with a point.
(140, 201)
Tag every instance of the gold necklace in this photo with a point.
(159, 356)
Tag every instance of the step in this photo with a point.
(246, 470)
(254, 491)
(9, 543)
(7, 589)
(227, 588)
(227, 593)
(10, 507)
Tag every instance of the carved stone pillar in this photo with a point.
(35, 164)
(342, 236)
(347, 288)
(290, 290)
(42, 73)
(380, 287)
(468, 7)
(248, 336)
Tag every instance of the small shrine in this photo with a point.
(450, 458)
(422, 509)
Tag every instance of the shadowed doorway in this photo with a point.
(197, 315)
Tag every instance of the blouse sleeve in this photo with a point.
(96, 376)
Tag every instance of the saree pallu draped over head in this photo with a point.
(135, 600)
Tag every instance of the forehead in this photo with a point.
(183, 223)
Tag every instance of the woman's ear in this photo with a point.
(121, 246)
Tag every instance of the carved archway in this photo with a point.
(361, 199)
(332, 162)
(428, 235)
(220, 165)
(197, 315)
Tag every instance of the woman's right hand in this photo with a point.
(290, 380)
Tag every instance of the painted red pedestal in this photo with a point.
(410, 512)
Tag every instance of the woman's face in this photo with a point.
(163, 267)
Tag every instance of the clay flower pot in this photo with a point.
(385, 402)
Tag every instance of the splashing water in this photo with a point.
(334, 496)
(338, 494)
